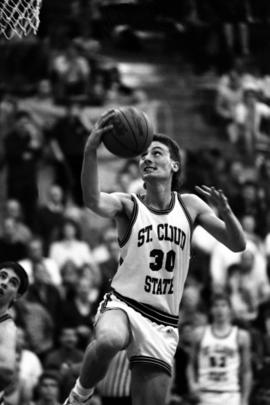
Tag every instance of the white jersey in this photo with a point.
(219, 362)
(154, 260)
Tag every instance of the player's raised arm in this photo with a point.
(108, 205)
(226, 230)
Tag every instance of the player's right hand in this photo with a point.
(99, 129)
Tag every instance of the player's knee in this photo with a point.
(109, 342)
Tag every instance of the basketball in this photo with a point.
(131, 135)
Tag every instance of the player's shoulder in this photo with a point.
(125, 199)
(190, 199)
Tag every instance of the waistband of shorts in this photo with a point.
(154, 314)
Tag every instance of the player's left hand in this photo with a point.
(214, 197)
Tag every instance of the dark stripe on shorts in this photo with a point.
(155, 315)
(151, 360)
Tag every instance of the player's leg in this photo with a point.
(112, 334)
(149, 385)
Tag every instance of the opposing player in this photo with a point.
(220, 368)
(13, 284)
(141, 311)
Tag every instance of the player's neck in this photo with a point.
(221, 328)
(158, 196)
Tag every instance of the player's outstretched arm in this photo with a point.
(226, 230)
(108, 205)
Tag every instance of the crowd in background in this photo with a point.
(71, 255)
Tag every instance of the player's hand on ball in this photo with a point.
(101, 127)
(214, 197)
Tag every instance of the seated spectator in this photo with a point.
(79, 312)
(37, 323)
(250, 202)
(35, 256)
(228, 97)
(249, 225)
(67, 351)
(23, 145)
(13, 210)
(42, 291)
(119, 93)
(192, 308)
(70, 247)
(70, 274)
(10, 247)
(70, 74)
(249, 116)
(48, 389)
(108, 259)
(17, 393)
(30, 367)
(69, 135)
(50, 216)
(243, 305)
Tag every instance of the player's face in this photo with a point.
(9, 285)
(156, 162)
(221, 311)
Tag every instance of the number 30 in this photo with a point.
(158, 256)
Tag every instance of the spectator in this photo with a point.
(70, 74)
(249, 116)
(248, 223)
(30, 367)
(192, 308)
(13, 210)
(228, 97)
(38, 326)
(22, 154)
(35, 256)
(70, 276)
(50, 216)
(66, 352)
(250, 202)
(42, 291)
(64, 357)
(48, 389)
(79, 312)
(244, 308)
(70, 247)
(10, 247)
(70, 133)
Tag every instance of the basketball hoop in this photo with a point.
(19, 17)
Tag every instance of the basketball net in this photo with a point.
(19, 17)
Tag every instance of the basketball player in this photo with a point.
(140, 314)
(13, 284)
(220, 368)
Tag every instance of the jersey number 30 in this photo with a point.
(159, 258)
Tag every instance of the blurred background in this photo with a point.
(201, 70)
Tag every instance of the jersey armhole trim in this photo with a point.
(133, 218)
(183, 205)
